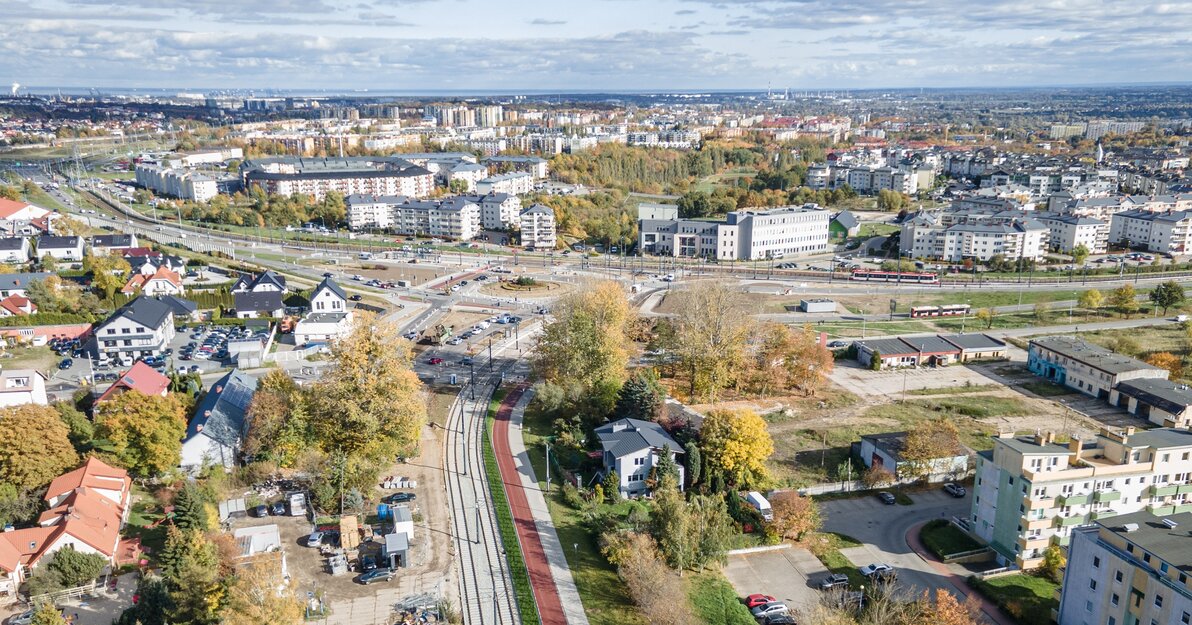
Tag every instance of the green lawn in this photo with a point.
(827, 545)
(526, 606)
(955, 390)
(714, 600)
(1043, 388)
(945, 539)
(872, 229)
(144, 514)
(600, 590)
(854, 329)
(1027, 598)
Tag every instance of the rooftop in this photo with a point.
(1091, 354)
(1170, 544)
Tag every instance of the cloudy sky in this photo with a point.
(592, 45)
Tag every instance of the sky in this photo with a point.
(592, 45)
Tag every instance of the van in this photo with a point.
(761, 504)
(1181, 318)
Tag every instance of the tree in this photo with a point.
(612, 487)
(48, 263)
(1167, 360)
(47, 614)
(1053, 563)
(735, 444)
(76, 568)
(694, 462)
(1042, 313)
(1080, 253)
(1091, 300)
(666, 464)
(261, 594)
(190, 509)
(153, 606)
(9, 192)
(877, 476)
(108, 273)
(712, 529)
(191, 568)
(143, 432)
(1167, 295)
(279, 420)
(671, 526)
(890, 200)
(641, 397)
(374, 405)
(585, 343)
(648, 581)
(457, 186)
(34, 446)
(794, 514)
(82, 430)
(1124, 300)
(711, 332)
(1124, 345)
(929, 448)
(985, 316)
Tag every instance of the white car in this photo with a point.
(455, 341)
(770, 609)
(877, 569)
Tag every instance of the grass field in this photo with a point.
(827, 545)
(714, 601)
(1046, 389)
(876, 229)
(967, 412)
(1150, 339)
(954, 390)
(855, 329)
(945, 539)
(1027, 598)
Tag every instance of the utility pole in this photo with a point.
(547, 443)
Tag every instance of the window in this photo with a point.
(1158, 601)
(1114, 599)
(1092, 584)
(1186, 618)
(1096, 562)
(1117, 576)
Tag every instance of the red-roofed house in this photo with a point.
(23, 218)
(163, 282)
(86, 509)
(140, 378)
(15, 306)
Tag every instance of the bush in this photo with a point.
(570, 496)
(525, 281)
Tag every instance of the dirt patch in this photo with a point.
(392, 272)
(755, 302)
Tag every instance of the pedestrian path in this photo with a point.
(958, 580)
(561, 573)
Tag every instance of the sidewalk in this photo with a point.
(560, 571)
(958, 581)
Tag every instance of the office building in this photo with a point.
(751, 234)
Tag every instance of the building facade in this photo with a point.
(1085, 367)
(538, 228)
(752, 234)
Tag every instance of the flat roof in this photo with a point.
(1027, 445)
(973, 341)
(1170, 544)
(1091, 354)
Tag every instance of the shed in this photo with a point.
(976, 346)
(818, 305)
(232, 509)
(403, 521)
(396, 551)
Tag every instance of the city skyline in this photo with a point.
(610, 45)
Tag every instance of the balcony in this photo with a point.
(1028, 543)
(1186, 488)
(1106, 495)
(1039, 524)
(1067, 521)
(1032, 503)
(1073, 500)
(1163, 491)
(1103, 514)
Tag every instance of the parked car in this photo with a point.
(878, 571)
(278, 508)
(887, 498)
(956, 490)
(260, 511)
(770, 609)
(436, 361)
(379, 575)
(315, 539)
(399, 498)
(834, 580)
(752, 601)
(778, 619)
(24, 618)
(355, 298)
(368, 563)
(66, 363)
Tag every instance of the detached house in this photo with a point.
(140, 378)
(16, 306)
(15, 250)
(142, 327)
(60, 248)
(162, 282)
(86, 510)
(631, 448)
(220, 423)
(104, 244)
(22, 386)
(23, 218)
(17, 283)
(329, 317)
(267, 282)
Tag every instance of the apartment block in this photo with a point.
(498, 211)
(452, 218)
(1166, 233)
(1131, 569)
(977, 237)
(354, 175)
(1031, 492)
(513, 183)
(1085, 367)
(1067, 232)
(178, 183)
(751, 234)
(538, 228)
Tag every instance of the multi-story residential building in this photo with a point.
(1031, 492)
(454, 217)
(536, 167)
(513, 183)
(751, 234)
(1066, 232)
(818, 177)
(179, 183)
(1131, 569)
(498, 211)
(538, 228)
(979, 237)
(1085, 367)
(317, 176)
(142, 327)
(1166, 233)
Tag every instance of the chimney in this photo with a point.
(1130, 430)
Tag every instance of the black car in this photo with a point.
(368, 563)
(887, 498)
(260, 511)
(355, 298)
(278, 508)
(66, 363)
(399, 498)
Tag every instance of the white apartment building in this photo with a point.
(538, 228)
(979, 238)
(752, 234)
(1031, 492)
(1166, 233)
(1066, 232)
(818, 177)
(179, 183)
(513, 183)
(1133, 568)
(874, 179)
(536, 167)
(452, 218)
(498, 211)
(355, 175)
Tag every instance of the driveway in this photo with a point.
(882, 530)
(788, 575)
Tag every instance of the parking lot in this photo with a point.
(867, 383)
(789, 575)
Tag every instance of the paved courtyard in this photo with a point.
(789, 575)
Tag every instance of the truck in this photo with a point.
(438, 335)
(761, 504)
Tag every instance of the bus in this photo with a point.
(908, 277)
(947, 310)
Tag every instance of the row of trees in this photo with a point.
(649, 170)
(261, 209)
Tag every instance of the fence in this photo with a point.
(833, 487)
(62, 595)
(296, 355)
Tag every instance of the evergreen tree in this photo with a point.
(694, 463)
(612, 487)
(666, 465)
(189, 510)
(641, 397)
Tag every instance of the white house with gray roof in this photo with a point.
(631, 448)
(60, 248)
(142, 327)
(1086, 367)
(216, 432)
(329, 318)
(15, 250)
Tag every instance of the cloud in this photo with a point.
(545, 22)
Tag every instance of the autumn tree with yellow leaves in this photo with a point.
(735, 445)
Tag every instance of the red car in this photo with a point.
(436, 361)
(752, 601)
